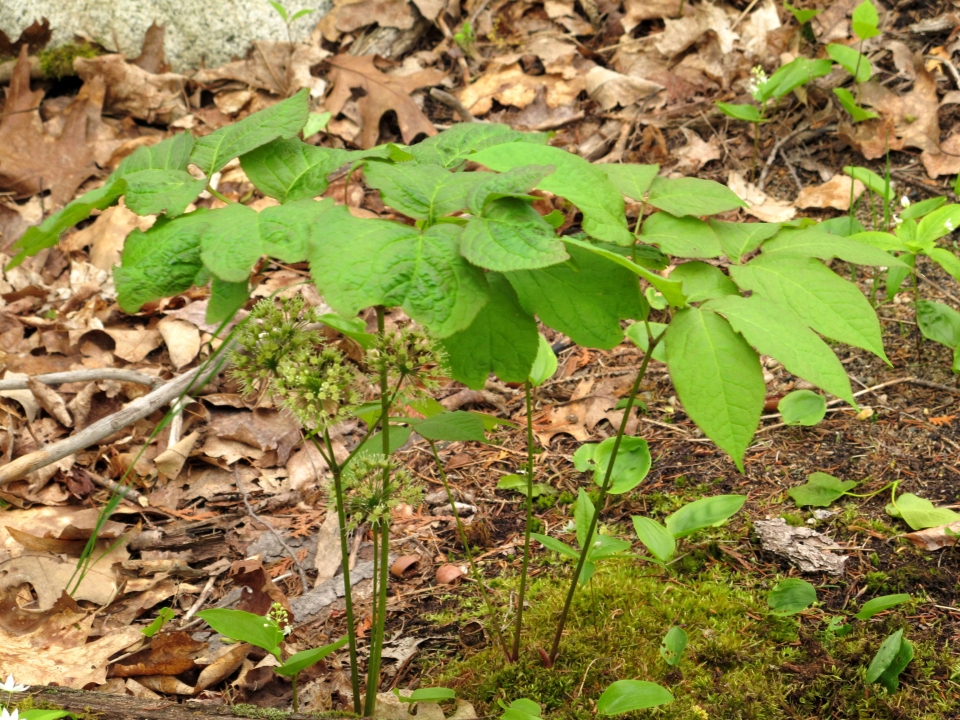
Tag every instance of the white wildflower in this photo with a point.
(905, 202)
(948, 224)
(11, 686)
(7, 715)
(757, 81)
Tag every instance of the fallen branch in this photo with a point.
(136, 410)
(86, 375)
(105, 706)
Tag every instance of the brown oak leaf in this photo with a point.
(378, 93)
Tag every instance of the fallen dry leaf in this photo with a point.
(24, 397)
(133, 344)
(512, 86)
(152, 57)
(170, 462)
(276, 67)
(834, 193)
(265, 430)
(182, 339)
(609, 88)
(696, 153)
(936, 537)
(404, 563)
(381, 93)
(165, 684)
(49, 577)
(31, 159)
(131, 90)
(680, 34)
(169, 653)
(636, 11)
(223, 665)
(50, 400)
(348, 15)
(945, 162)
(106, 234)
(760, 205)
(760, 23)
(449, 574)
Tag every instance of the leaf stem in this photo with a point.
(474, 570)
(218, 196)
(875, 492)
(296, 699)
(529, 526)
(608, 477)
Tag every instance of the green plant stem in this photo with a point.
(218, 196)
(529, 526)
(380, 617)
(345, 562)
(474, 570)
(875, 492)
(601, 499)
(296, 698)
(756, 149)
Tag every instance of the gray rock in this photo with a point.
(198, 32)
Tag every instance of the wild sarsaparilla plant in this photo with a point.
(475, 265)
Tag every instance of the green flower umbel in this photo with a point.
(367, 499)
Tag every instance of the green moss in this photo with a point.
(252, 711)
(793, 519)
(58, 62)
(741, 663)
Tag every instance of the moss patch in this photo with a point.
(58, 62)
(741, 662)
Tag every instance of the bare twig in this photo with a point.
(453, 102)
(277, 535)
(803, 127)
(86, 375)
(136, 410)
(125, 490)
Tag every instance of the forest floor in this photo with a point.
(615, 83)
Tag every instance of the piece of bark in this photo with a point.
(804, 547)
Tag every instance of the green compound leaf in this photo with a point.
(670, 290)
(585, 297)
(718, 378)
(919, 513)
(692, 196)
(163, 261)
(502, 340)
(703, 513)
(511, 235)
(236, 236)
(748, 113)
(631, 180)
(791, 596)
(777, 333)
(291, 169)
(739, 239)
(864, 22)
(225, 299)
(516, 183)
(283, 120)
(702, 281)
(849, 103)
(629, 695)
(305, 658)
(47, 234)
(358, 263)
(818, 244)
(822, 299)
(673, 645)
(851, 61)
(453, 146)
(686, 237)
(655, 537)
(879, 604)
(820, 490)
(873, 182)
(151, 192)
(794, 74)
(637, 334)
(423, 192)
(544, 365)
(171, 154)
(575, 179)
(939, 322)
(245, 627)
(885, 656)
(457, 426)
(802, 407)
(632, 465)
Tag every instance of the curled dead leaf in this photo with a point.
(449, 574)
(50, 400)
(761, 205)
(403, 564)
(165, 684)
(223, 665)
(182, 339)
(834, 193)
(170, 462)
(936, 537)
(169, 653)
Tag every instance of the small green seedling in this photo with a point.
(632, 466)
(919, 513)
(802, 407)
(673, 645)
(267, 632)
(891, 659)
(791, 596)
(820, 490)
(940, 323)
(628, 695)
(877, 605)
(433, 695)
(801, 16)
(519, 484)
(164, 616)
(661, 540)
(520, 709)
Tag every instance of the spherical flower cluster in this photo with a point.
(368, 498)
(408, 354)
(757, 80)
(316, 387)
